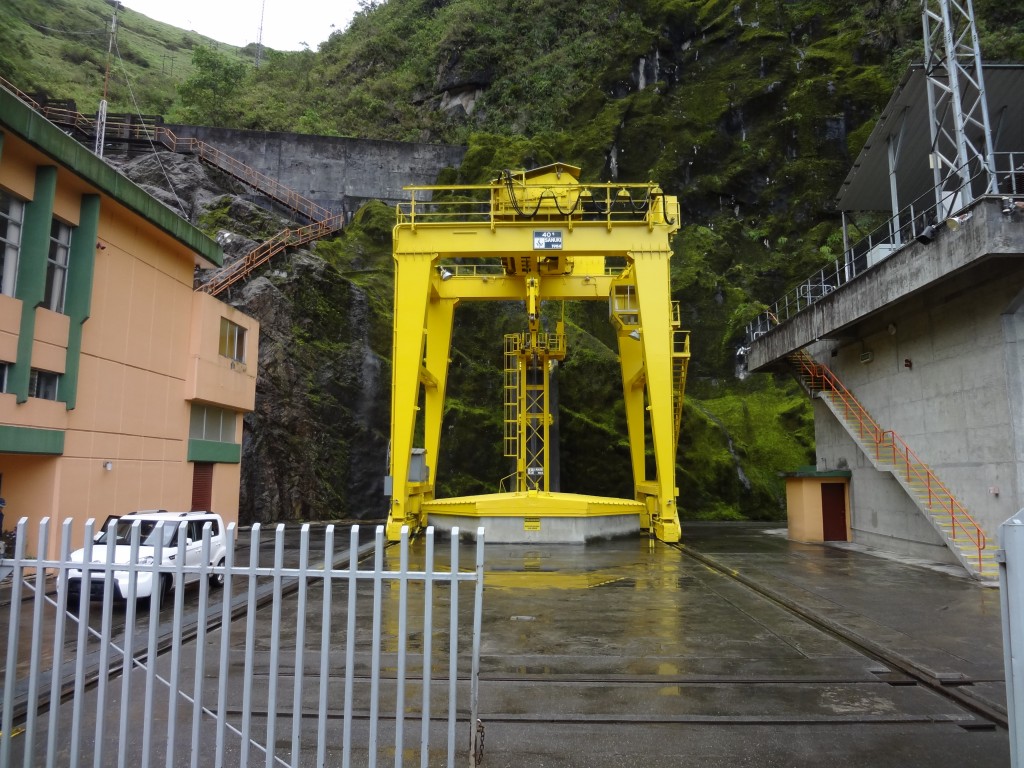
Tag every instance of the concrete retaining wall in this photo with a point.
(336, 173)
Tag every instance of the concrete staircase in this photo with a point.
(888, 452)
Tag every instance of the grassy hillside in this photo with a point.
(751, 111)
(60, 47)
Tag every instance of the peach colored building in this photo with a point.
(122, 388)
(817, 504)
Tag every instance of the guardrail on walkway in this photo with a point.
(323, 673)
(236, 271)
(890, 448)
(916, 222)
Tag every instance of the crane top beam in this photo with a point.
(536, 222)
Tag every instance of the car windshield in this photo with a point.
(149, 532)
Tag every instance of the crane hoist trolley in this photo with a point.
(532, 237)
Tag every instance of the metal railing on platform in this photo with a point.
(505, 201)
(917, 221)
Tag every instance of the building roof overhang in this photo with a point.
(866, 187)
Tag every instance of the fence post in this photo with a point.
(1011, 597)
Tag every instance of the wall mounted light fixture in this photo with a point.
(108, 465)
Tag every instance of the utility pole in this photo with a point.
(101, 113)
(259, 37)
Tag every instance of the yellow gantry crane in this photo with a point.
(533, 237)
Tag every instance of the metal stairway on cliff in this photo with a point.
(323, 222)
(888, 452)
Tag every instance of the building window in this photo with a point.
(57, 266)
(42, 384)
(11, 213)
(3, 376)
(232, 340)
(208, 422)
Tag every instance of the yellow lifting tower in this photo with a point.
(532, 237)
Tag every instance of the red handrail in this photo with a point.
(890, 447)
(262, 253)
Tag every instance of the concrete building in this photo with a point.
(122, 388)
(921, 329)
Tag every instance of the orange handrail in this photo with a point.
(262, 253)
(19, 93)
(890, 447)
(243, 172)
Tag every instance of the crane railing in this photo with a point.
(680, 364)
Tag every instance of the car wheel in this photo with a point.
(217, 578)
(72, 601)
(164, 590)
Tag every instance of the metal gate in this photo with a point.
(310, 662)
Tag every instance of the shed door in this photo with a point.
(202, 486)
(833, 511)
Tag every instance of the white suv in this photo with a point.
(151, 532)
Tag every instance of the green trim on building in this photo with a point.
(31, 440)
(45, 136)
(78, 300)
(212, 451)
(31, 285)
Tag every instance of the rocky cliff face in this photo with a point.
(315, 446)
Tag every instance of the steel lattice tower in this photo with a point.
(961, 135)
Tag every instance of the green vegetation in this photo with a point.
(751, 112)
(59, 47)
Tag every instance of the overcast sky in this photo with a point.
(287, 24)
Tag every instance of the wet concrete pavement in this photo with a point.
(632, 653)
(743, 649)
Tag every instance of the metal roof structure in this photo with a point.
(866, 187)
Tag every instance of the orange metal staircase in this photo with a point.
(324, 222)
(239, 170)
(261, 254)
(887, 451)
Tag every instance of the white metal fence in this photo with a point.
(310, 662)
